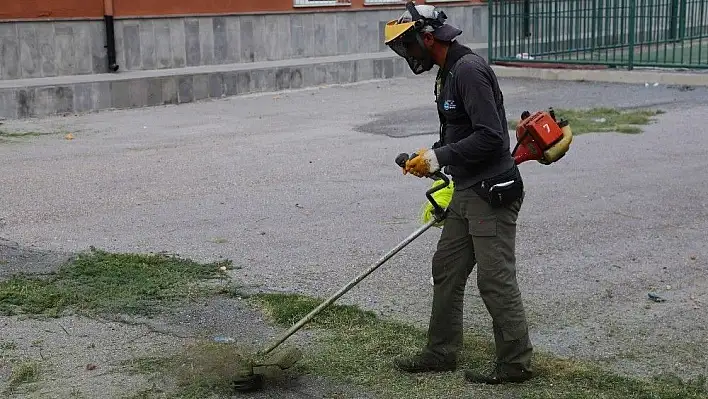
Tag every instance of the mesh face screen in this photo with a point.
(404, 45)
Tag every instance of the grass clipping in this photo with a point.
(597, 120)
(14, 137)
(358, 349)
(202, 370)
(99, 281)
(23, 373)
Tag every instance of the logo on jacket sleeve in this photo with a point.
(449, 105)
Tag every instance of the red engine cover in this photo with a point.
(536, 134)
(542, 128)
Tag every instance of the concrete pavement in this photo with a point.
(300, 190)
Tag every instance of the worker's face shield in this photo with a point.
(409, 45)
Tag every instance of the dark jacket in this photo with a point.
(474, 135)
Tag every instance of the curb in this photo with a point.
(32, 98)
(611, 76)
(38, 97)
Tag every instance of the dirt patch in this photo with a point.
(78, 356)
(130, 357)
(68, 334)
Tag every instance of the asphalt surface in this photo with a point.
(300, 189)
(17, 259)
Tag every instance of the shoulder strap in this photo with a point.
(439, 82)
(455, 54)
(462, 59)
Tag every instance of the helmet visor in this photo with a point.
(409, 46)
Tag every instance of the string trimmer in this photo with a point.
(540, 137)
(252, 375)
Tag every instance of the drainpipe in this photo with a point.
(110, 35)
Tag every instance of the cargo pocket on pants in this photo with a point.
(483, 226)
(483, 230)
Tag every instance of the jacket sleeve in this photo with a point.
(474, 88)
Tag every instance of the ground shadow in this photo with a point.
(410, 122)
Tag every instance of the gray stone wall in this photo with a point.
(45, 49)
(184, 86)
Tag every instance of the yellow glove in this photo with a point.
(424, 164)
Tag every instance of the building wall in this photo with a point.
(33, 9)
(32, 49)
(43, 49)
(176, 39)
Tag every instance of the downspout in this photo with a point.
(110, 35)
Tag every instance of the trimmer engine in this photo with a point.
(542, 138)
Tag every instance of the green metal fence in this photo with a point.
(615, 33)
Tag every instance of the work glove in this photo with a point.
(423, 164)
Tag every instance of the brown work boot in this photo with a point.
(500, 375)
(425, 362)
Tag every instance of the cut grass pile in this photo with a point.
(359, 347)
(98, 281)
(201, 370)
(598, 120)
(7, 136)
(356, 347)
(23, 373)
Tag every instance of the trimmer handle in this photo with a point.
(438, 210)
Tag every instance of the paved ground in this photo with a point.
(300, 189)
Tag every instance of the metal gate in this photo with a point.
(614, 33)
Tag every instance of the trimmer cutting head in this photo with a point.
(248, 383)
(252, 377)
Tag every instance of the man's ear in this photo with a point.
(428, 39)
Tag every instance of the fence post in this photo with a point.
(490, 31)
(673, 19)
(682, 19)
(527, 18)
(595, 25)
(632, 32)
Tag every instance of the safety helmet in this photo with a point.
(404, 35)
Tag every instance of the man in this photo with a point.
(481, 224)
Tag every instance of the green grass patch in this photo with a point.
(12, 136)
(148, 365)
(6, 134)
(8, 346)
(359, 346)
(597, 120)
(98, 281)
